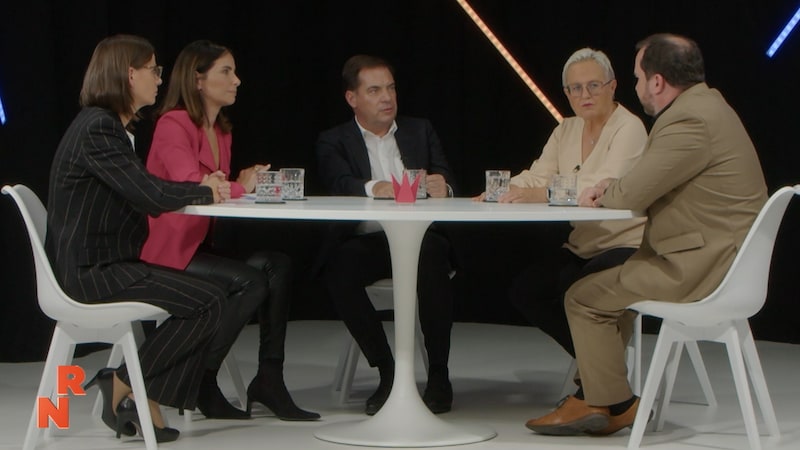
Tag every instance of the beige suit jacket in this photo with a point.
(701, 183)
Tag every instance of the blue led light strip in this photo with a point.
(786, 30)
(2, 113)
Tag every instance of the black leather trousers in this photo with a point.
(260, 285)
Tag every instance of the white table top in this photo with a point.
(439, 209)
(405, 226)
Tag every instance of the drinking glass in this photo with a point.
(497, 182)
(293, 180)
(268, 186)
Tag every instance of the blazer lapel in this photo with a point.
(357, 149)
(206, 157)
(408, 153)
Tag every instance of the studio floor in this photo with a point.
(501, 375)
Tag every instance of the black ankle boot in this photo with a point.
(213, 404)
(127, 414)
(439, 392)
(269, 389)
(378, 398)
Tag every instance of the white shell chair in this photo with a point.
(381, 295)
(720, 317)
(79, 322)
(633, 356)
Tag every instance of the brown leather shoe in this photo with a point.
(616, 423)
(572, 417)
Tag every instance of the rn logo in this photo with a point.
(68, 377)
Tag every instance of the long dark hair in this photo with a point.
(195, 59)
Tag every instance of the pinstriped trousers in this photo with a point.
(172, 355)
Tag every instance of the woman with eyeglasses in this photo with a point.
(192, 138)
(602, 140)
(99, 197)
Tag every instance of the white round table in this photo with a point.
(404, 420)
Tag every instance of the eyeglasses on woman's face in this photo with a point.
(592, 87)
(157, 70)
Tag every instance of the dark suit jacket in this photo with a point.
(344, 162)
(344, 165)
(100, 195)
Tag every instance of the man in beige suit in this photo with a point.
(700, 182)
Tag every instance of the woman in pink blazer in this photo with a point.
(192, 139)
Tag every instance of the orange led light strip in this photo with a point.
(510, 59)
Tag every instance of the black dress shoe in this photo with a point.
(438, 396)
(377, 399)
(105, 382)
(126, 413)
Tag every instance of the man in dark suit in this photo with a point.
(358, 158)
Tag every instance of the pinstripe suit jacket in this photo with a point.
(99, 198)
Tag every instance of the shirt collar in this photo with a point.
(365, 132)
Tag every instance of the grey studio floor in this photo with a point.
(502, 376)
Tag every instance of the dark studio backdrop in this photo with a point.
(289, 56)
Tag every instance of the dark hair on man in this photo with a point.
(676, 58)
(354, 65)
(193, 62)
(105, 83)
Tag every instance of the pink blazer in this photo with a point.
(181, 152)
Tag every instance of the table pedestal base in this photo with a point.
(404, 420)
(406, 431)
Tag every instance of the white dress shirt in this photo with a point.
(384, 157)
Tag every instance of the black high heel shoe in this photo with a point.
(105, 382)
(214, 405)
(270, 390)
(127, 414)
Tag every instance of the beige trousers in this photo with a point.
(601, 327)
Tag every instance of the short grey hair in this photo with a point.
(586, 54)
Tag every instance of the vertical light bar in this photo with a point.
(776, 44)
(2, 113)
(510, 59)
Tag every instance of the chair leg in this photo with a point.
(637, 355)
(114, 360)
(58, 354)
(232, 367)
(338, 374)
(732, 342)
(757, 377)
(702, 375)
(131, 353)
(569, 379)
(668, 385)
(346, 370)
(664, 343)
(419, 339)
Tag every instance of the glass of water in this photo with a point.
(268, 186)
(293, 183)
(497, 183)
